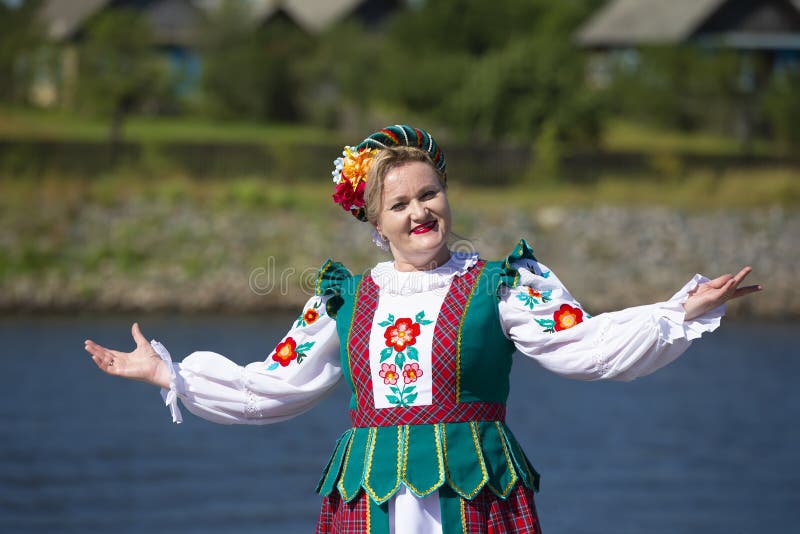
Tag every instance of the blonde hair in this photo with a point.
(386, 160)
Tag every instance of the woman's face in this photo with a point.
(415, 217)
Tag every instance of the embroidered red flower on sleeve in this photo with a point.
(389, 373)
(567, 317)
(411, 372)
(285, 352)
(401, 334)
(310, 316)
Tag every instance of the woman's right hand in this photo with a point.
(143, 363)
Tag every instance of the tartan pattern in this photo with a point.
(444, 361)
(485, 514)
(358, 344)
(341, 517)
(428, 415)
(489, 514)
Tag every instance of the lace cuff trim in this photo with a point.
(676, 327)
(170, 395)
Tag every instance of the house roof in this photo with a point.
(625, 22)
(311, 15)
(64, 18)
(173, 21)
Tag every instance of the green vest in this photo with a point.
(466, 455)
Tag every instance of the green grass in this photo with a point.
(31, 124)
(625, 135)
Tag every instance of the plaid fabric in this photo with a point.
(358, 344)
(340, 517)
(485, 514)
(428, 415)
(489, 514)
(444, 356)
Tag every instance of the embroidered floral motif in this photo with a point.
(411, 372)
(401, 336)
(530, 297)
(567, 317)
(288, 351)
(403, 333)
(389, 373)
(309, 316)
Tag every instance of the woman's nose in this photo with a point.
(418, 210)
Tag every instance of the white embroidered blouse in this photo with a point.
(540, 316)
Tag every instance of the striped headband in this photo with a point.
(351, 169)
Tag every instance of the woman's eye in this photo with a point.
(428, 195)
(398, 206)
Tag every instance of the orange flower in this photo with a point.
(567, 317)
(404, 332)
(285, 352)
(356, 165)
(533, 293)
(310, 316)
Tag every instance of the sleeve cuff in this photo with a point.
(170, 395)
(676, 327)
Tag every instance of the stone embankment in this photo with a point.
(147, 257)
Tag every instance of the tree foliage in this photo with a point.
(250, 70)
(21, 36)
(119, 69)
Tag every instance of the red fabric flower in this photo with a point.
(403, 333)
(344, 195)
(389, 373)
(533, 293)
(285, 352)
(310, 316)
(411, 372)
(567, 317)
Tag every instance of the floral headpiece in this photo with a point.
(351, 169)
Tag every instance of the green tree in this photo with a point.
(495, 70)
(119, 68)
(21, 37)
(250, 71)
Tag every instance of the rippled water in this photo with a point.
(708, 445)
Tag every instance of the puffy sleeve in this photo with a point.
(548, 325)
(301, 370)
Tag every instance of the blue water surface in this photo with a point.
(707, 445)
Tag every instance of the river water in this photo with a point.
(710, 444)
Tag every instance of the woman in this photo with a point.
(425, 343)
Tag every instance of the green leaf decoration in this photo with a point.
(396, 390)
(409, 389)
(425, 321)
(385, 323)
(272, 366)
(420, 316)
(299, 322)
(386, 353)
(546, 274)
(399, 360)
(300, 357)
(303, 347)
(392, 399)
(547, 323)
(413, 353)
(411, 398)
(390, 318)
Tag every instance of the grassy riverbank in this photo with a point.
(127, 243)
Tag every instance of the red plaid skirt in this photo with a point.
(485, 514)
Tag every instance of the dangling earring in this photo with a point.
(380, 241)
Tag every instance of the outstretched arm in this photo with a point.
(142, 363)
(548, 325)
(717, 292)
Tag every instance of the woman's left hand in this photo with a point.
(716, 292)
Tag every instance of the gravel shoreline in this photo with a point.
(150, 257)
